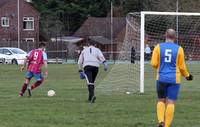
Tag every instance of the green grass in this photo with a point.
(69, 108)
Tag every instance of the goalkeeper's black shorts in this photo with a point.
(91, 73)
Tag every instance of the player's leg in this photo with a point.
(94, 75)
(39, 80)
(95, 71)
(169, 114)
(88, 77)
(172, 95)
(149, 57)
(161, 93)
(28, 77)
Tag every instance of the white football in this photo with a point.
(51, 93)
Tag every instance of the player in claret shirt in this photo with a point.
(34, 62)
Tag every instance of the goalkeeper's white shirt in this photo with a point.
(90, 56)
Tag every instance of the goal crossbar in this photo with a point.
(170, 13)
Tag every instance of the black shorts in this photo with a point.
(91, 73)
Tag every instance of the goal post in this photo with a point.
(142, 33)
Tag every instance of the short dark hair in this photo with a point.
(42, 44)
(90, 42)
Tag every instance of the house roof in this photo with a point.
(69, 39)
(3, 2)
(101, 40)
(30, 5)
(98, 26)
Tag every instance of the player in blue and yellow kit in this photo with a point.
(168, 59)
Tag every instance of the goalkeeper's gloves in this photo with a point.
(105, 65)
(81, 74)
(189, 78)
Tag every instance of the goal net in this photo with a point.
(132, 71)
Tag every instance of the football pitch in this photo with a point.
(69, 108)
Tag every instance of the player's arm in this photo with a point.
(24, 64)
(155, 57)
(80, 61)
(182, 66)
(80, 66)
(26, 60)
(103, 60)
(45, 62)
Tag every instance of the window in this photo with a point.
(6, 52)
(4, 21)
(29, 39)
(28, 23)
(1, 51)
(17, 51)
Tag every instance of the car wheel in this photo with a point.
(14, 61)
(4, 61)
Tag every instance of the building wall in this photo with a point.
(10, 10)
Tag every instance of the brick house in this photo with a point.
(29, 21)
(98, 29)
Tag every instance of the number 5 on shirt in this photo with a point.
(168, 56)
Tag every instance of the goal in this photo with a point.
(132, 70)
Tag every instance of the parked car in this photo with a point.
(12, 55)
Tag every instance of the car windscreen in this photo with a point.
(17, 51)
(1, 51)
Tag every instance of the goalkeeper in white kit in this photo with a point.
(88, 63)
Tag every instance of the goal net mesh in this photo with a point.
(125, 73)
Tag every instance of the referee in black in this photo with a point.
(88, 62)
